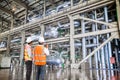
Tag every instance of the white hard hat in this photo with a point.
(41, 39)
(29, 39)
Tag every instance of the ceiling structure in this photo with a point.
(16, 10)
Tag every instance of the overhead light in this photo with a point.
(14, 8)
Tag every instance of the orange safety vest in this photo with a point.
(39, 55)
(26, 56)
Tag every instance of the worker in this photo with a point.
(28, 58)
(39, 58)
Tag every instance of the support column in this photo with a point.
(71, 3)
(118, 15)
(44, 8)
(12, 22)
(1, 24)
(8, 45)
(9, 37)
(26, 16)
(72, 46)
(22, 47)
(42, 30)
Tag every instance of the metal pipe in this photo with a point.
(109, 45)
(83, 39)
(44, 8)
(73, 10)
(93, 52)
(103, 63)
(94, 42)
(90, 65)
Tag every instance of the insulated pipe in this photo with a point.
(73, 10)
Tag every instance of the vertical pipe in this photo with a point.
(118, 15)
(44, 8)
(83, 39)
(95, 42)
(109, 45)
(107, 62)
(103, 63)
(90, 65)
(98, 52)
(72, 47)
(71, 3)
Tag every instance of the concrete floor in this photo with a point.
(51, 74)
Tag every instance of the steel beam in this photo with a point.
(2, 18)
(96, 21)
(20, 3)
(96, 33)
(62, 15)
(6, 10)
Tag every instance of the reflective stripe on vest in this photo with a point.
(39, 55)
(26, 56)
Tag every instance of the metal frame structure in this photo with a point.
(94, 37)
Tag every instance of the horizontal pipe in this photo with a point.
(53, 18)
